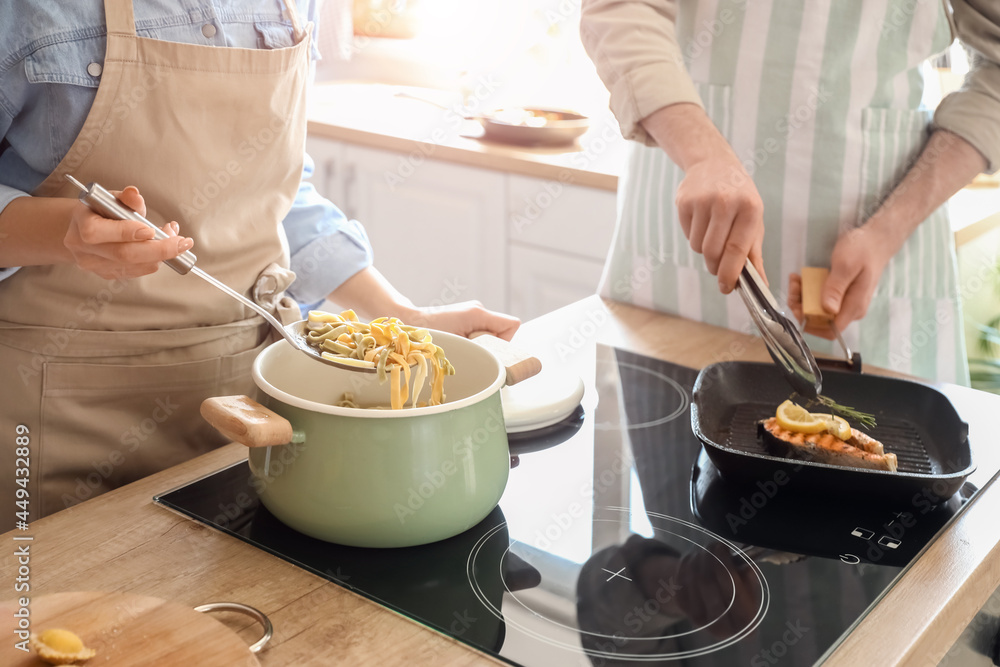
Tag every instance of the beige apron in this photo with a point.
(108, 376)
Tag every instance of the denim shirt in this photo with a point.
(48, 81)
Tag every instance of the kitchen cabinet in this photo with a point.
(443, 233)
(542, 281)
(436, 228)
(562, 217)
(559, 235)
(328, 177)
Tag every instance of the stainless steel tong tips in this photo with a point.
(781, 334)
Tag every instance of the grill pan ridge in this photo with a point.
(915, 421)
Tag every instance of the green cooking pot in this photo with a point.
(370, 477)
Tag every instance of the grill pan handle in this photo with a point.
(854, 365)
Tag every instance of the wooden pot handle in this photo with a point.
(244, 420)
(519, 364)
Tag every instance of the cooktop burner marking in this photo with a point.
(681, 408)
(616, 574)
(619, 655)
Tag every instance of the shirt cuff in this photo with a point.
(649, 88)
(973, 112)
(7, 195)
(325, 263)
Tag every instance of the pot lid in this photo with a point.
(540, 401)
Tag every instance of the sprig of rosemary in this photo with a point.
(865, 419)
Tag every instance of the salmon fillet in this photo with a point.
(862, 452)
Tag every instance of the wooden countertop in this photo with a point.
(122, 541)
(372, 115)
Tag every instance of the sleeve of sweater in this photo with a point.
(633, 45)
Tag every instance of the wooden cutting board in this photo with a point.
(127, 629)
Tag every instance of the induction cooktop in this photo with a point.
(617, 542)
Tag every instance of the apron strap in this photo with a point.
(119, 16)
(293, 16)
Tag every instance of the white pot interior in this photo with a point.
(292, 377)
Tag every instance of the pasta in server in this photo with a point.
(387, 345)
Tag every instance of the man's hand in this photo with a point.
(718, 205)
(722, 216)
(946, 163)
(120, 248)
(859, 259)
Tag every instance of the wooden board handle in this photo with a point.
(244, 420)
(813, 279)
(519, 364)
(247, 610)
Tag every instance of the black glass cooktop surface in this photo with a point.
(617, 541)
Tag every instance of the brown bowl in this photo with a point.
(533, 126)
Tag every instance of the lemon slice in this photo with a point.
(835, 426)
(793, 417)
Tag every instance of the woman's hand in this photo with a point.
(466, 318)
(371, 295)
(120, 248)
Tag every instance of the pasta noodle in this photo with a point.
(388, 346)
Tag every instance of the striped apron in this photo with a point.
(821, 102)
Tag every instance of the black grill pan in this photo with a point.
(915, 421)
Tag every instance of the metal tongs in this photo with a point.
(781, 334)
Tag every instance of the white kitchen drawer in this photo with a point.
(542, 281)
(437, 229)
(559, 216)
